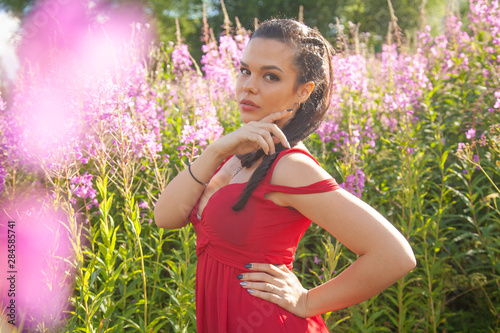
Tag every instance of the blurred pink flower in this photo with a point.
(220, 63)
(205, 129)
(470, 134)
(497, 102)
(81, 187)
(42, 270)
(181, 60)
(67, 50)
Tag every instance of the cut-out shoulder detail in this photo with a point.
(322, 182)
(283, 153)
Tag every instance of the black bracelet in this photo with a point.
(189, 168)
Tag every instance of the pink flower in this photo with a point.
(45, 275)
(355, 183)
(470, 134)
(81, 187)
(181, 59)
(497, 102)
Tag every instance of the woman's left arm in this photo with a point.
(384, 254)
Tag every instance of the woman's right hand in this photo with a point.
(252, 136)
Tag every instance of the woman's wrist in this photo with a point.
(203, 167)
(214, 152)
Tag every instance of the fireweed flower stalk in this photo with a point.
(406, 81)
(82, 187)
(355, 183)
(484, 15)
(205, 128)
(181, 60)
(350, 136)
(350, 86)
(466, 57)
(220, 63)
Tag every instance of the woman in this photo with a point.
(250, 197)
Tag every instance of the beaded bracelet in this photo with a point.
(189, 168)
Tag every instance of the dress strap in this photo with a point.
(280, 155)
(324, 185)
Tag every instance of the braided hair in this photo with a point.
(313, 62)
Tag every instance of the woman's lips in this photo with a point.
(248, 105)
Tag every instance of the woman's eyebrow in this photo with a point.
(242, 63)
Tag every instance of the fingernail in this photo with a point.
(289, 110)
(250, 291)
(248, 266)
(276, 265)
(243, 283)
(239, 277)
(268, 152)
(288, 145)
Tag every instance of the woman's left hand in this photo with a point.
(276, 284)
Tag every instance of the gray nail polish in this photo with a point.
(243, 283)
(250, 291)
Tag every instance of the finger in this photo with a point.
(283, 268)
(272, 117)
(278, 133)
(262, 286)
(271, 297)
(260, 141)
(267, 268)
(266, 135)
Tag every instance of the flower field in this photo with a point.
(89, 139)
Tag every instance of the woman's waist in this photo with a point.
(239, 257)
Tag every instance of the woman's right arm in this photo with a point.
(181, 194)
(179, 197)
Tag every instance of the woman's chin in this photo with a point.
(246, 118)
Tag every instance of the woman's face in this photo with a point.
(266, 81)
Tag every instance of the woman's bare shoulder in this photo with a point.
(298, 169)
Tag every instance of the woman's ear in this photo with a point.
(305, 91)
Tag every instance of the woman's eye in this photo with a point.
(244, 71)
(271, 77)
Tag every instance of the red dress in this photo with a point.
(261, 232)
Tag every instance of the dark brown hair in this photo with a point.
(313, 62)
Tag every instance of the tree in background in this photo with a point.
(15, 7)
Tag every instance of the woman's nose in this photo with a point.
(249, 86)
